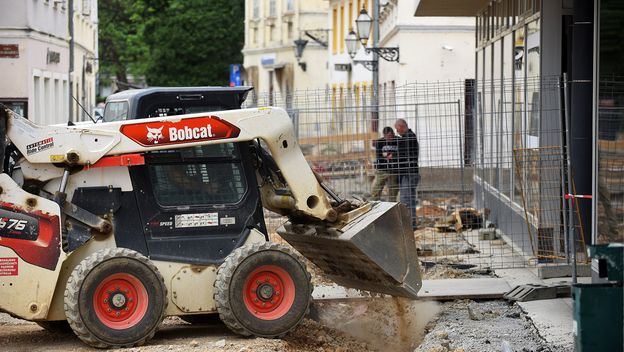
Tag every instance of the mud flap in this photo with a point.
(374, 252)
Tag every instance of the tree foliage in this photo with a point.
(172, 42)
(121, 47)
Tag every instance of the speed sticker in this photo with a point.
(196, 220)
(228, 221)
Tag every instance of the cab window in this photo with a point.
(162, 111)
(116, 111)
(199, 176)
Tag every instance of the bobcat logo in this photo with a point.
(154, 134)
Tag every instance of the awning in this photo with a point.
(277, 66)
(450, 8)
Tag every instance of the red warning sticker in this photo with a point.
(8, 266)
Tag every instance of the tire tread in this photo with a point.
(74, 284)
(224, 279)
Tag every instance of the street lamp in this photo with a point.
(351, 42)
(300, 44)
(363, 25)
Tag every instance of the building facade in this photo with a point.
(447, 41)
(84, 75)
(343, 73)
(548, 84)
(34, 58)
(271, 27)
(431, 48)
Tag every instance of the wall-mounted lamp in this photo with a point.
(300, 45)
(351, 42)
(363, 25)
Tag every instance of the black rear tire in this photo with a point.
(115, 298)
(263, 290)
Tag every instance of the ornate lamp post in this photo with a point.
(363, 24)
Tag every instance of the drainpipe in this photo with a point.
(580, 143)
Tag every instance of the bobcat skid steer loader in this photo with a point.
(109, 227)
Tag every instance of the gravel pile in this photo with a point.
(469, 326)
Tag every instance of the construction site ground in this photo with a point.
(435, 323)
(361, 324)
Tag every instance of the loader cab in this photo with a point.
(195, 205)
(168, 101)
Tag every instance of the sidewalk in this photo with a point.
(551, 317)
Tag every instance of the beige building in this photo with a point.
(34, 58)
(343, 74)
(84, 77)
(271, 27)
(431, 48)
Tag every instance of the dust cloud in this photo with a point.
(387, 324)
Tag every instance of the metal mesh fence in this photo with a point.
(491, 165)
(610, 205)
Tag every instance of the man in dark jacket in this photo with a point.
(386, 150)
(408, 166)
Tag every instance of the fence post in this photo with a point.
(469, 104)
(461, 152)
(572, 240)
(563, 165)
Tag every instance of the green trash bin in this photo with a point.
(598, 314)
(598, 317)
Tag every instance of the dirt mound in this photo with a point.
(430, 211)
(430, 242)
(438, 272)
(312, 336)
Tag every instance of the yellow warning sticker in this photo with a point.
(57, 158)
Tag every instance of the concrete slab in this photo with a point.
(495, 253)
(553, 320)
(523, 276)
(562, 270)
(448, 289)
(560, 280)
(518, 276)
(487, 288)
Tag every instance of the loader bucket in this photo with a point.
(374, 252)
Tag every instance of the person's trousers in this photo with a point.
(385, 178)
(408, 183)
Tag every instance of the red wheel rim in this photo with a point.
(269, 292)
(120, 301)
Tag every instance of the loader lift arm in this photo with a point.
(87, 144)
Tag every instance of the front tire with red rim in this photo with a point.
(263, 289)
(115, 298)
